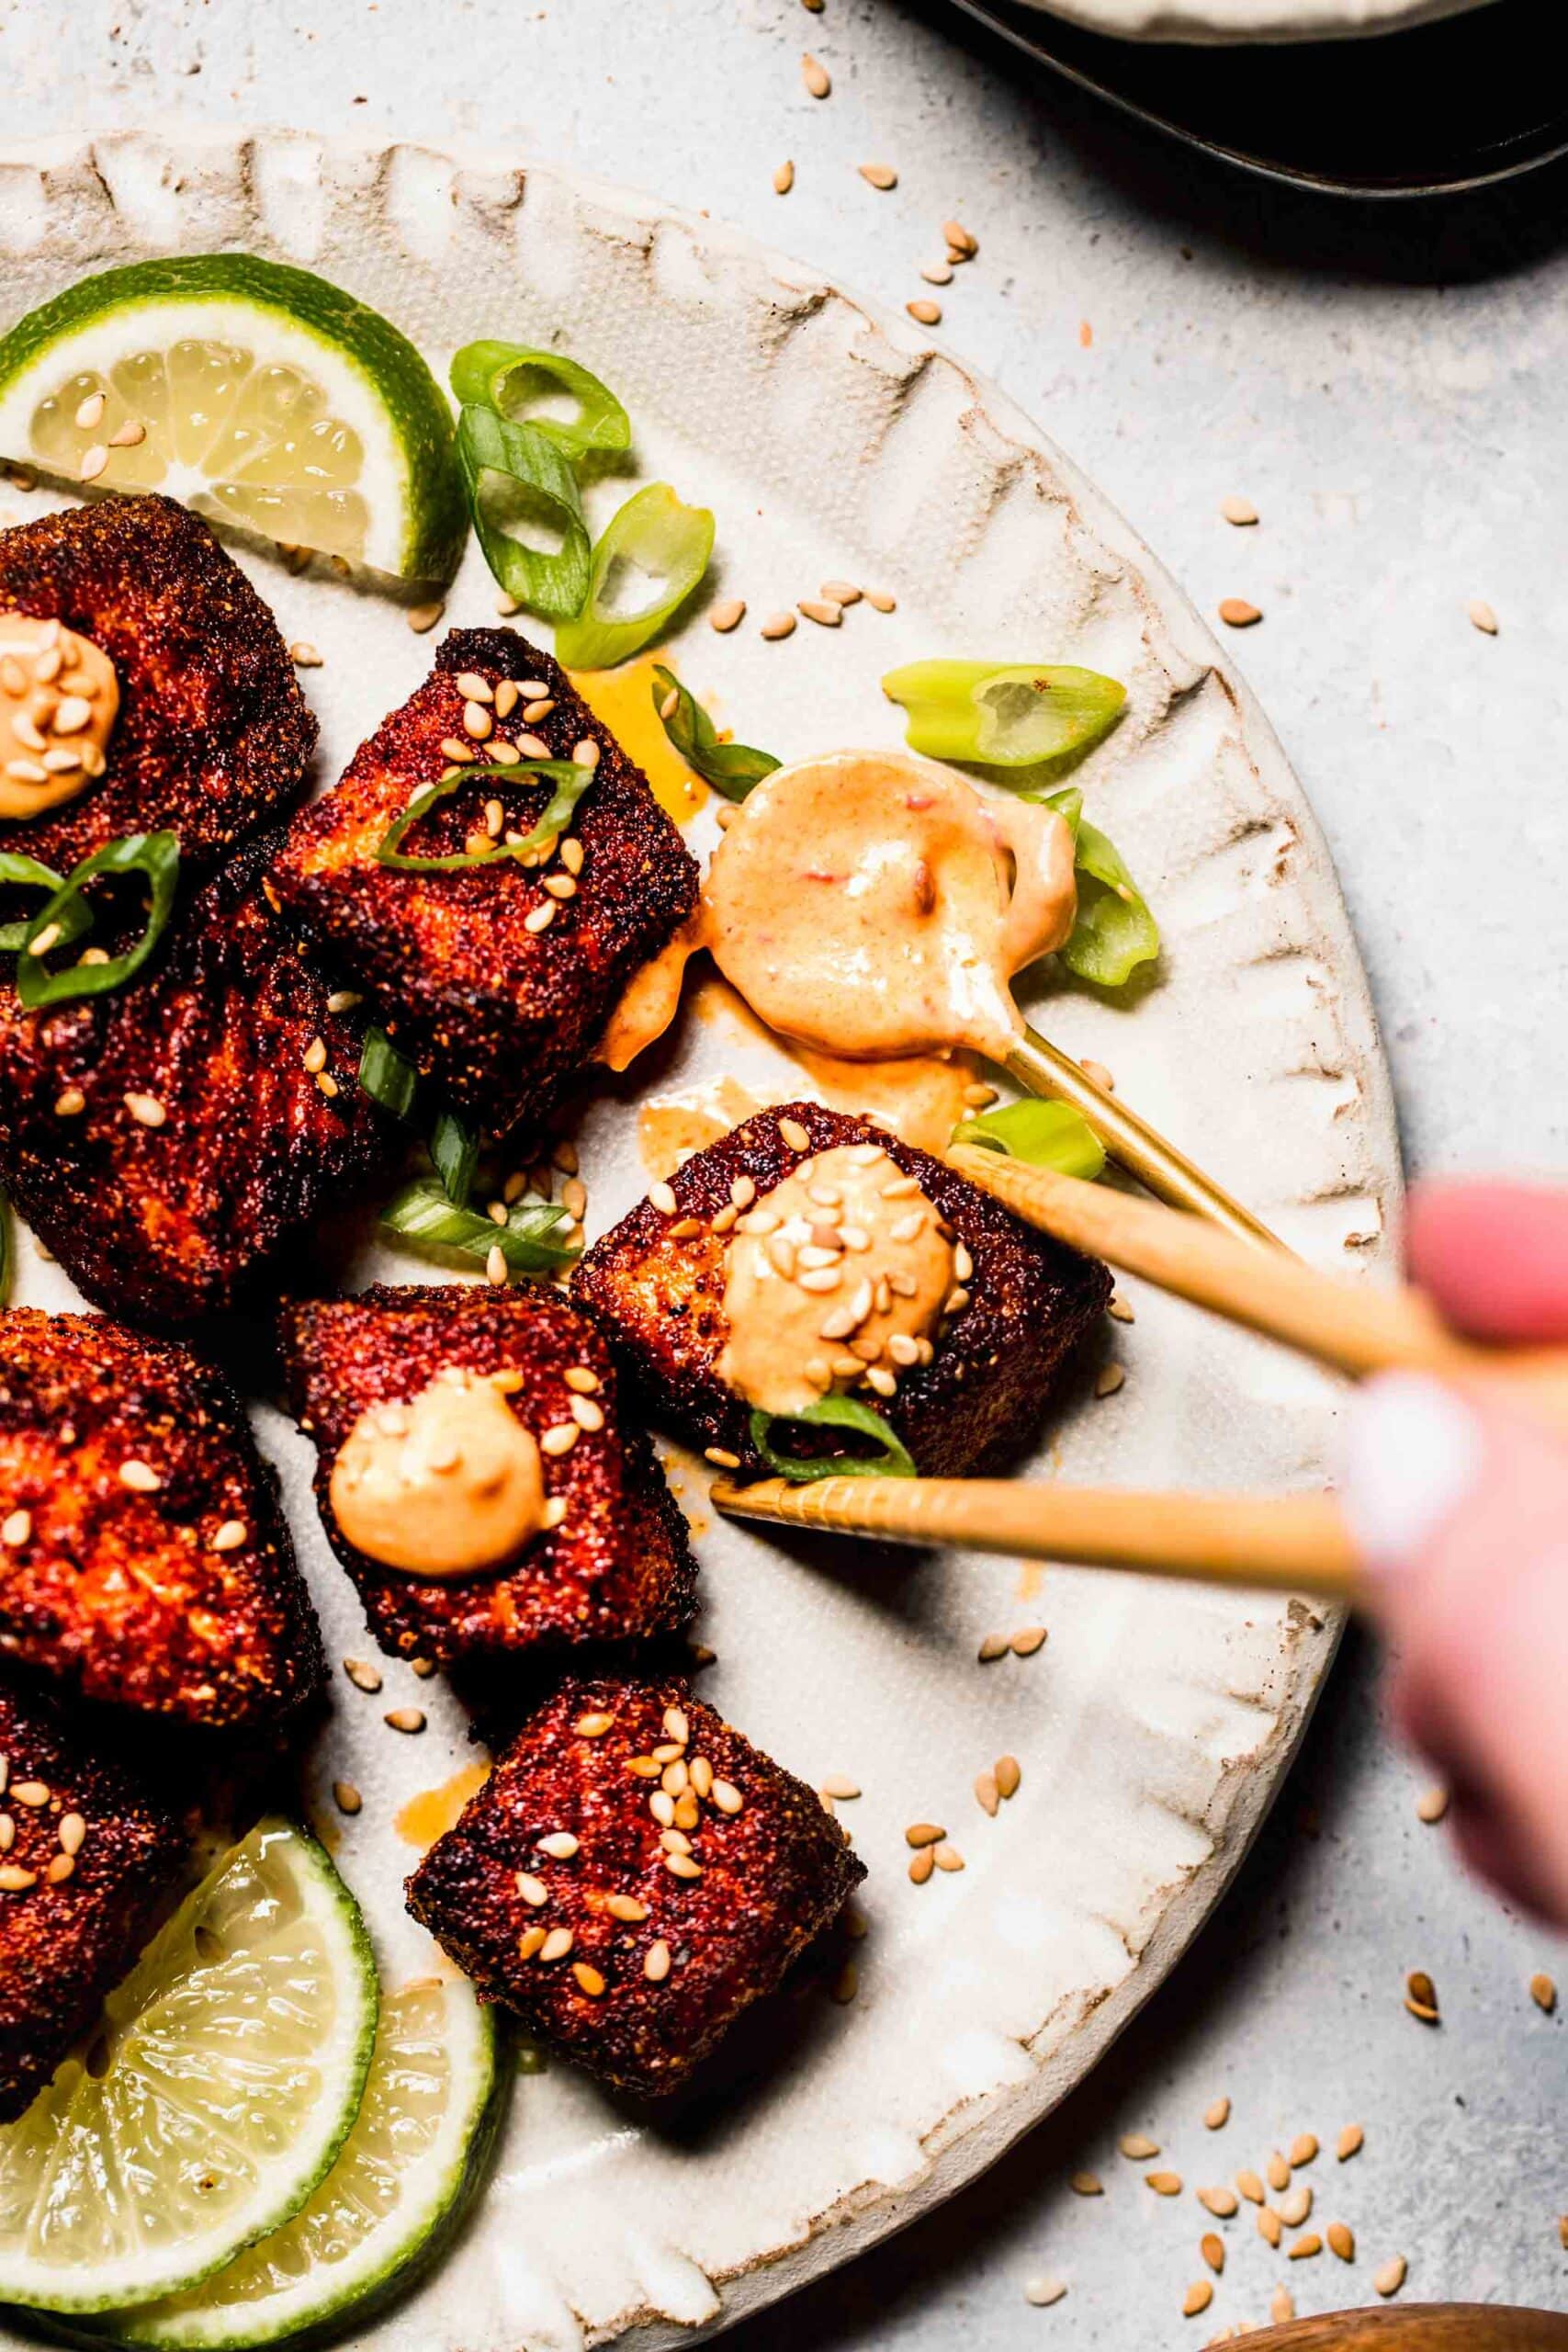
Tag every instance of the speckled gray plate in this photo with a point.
(1154, 1726)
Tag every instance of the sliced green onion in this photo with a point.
(1003, 714)
(570, 782)
(386, 1075)
(505, 375)
(652, 534)
(513, 472)
(67, 915)
(423, 1214)
(31, 875)
(1047, 1134)
(1114, 932)
(730, 768)
(838, 1413)
(454, 1148)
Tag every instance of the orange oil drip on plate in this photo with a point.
(433, 1812)
(623, 698)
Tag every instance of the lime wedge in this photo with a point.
(257, 394)
(398, 2187)
(222, 2081)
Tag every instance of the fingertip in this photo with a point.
(1493, 1255)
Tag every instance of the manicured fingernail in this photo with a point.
(1410, 1454)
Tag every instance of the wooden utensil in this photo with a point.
(1167, 1174)
(1352, 1326)
(1421, 2327)
(1276, 1543)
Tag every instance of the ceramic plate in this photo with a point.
(1155, 1724)
(1249, 20)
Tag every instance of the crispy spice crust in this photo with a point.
(500, 1016)
(65, 1942)
(121, 1596)
(771, 1877)
(618, 1567)
(163, 1223)
(214, 735)
(974, 1408)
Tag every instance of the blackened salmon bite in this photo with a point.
(213, 735)
(497, 979)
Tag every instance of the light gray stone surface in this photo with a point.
(1386, 386)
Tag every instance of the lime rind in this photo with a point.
(376, 2219)
(419, 516)
(236, 2056)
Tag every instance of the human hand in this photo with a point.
(1460, 1505)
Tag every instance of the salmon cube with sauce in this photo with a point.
(809, 1252)
(496, 978)
(145, 1560)
(632, 1876)
(90, 1860)
(523, 1511)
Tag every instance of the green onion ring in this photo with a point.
(569, 780)
(833, 1412)
(494, 376)
(157, 855)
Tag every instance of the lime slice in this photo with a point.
(259, 395)
(222, 2081)
(398, 2187)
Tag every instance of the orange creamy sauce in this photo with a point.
(447, 1484)
(433, 1812)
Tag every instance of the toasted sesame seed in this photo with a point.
(90, 413)
(992, 1646)
(540, 917)
(530, 1943)
(922, 1864)
(14, 1879)
(422, 619)
(924, 1833)
(1211, 2246)
(1270, 2228)
(819, 82)
(1164, 2184)
(1137, 2146)
(662, 1804)
(146, 1110)
(34, 1794)
(1197, 2297)
(409, 1719)
(1277, 2171)
(960, 239)
(346, 1797)
(1086, 2184)
(70, 1103)
(1421, 1996)
(1295, 2205)
(1543, 1993)
(656, 1962)
(880, 600)
(1304, 2248)
(495, 1266)
(587, 1414)
(727, 1797)
(662, 1199)
(1027, 1640)
(881, 176)
(1250, 2186)
(1282, 2306)
(362, 1674)
(533, 1890)
(778, 624)
(1392, 2277)
(557, 1944)
(1352, 2140)
(987, 1794)
(1219, 2201)
(1236, 613)
(1480, 614)
(784, 178)
(593, 1725)
(937, 273)
(16, 1528)
(1238, 510)
(924, 312)
(560, 1439)
(1303, 2149)
(94, 460)
(1109, 1379)
(947, 1856)
(303, 654)
(1217, 2114)
(1341, 2240)
(139, 1477)
(588, 1978)
(820, 609)
(682, 1866)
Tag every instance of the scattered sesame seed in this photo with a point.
(880, 600)
(987, 1794)
(1250, 2186)
(1043, 2292)
(1137, 2146)
(1303, 2149)
(1278, 2171)
(1236, 613)
(16, 1528)
(924, 312)
(303, 654)
(1432, 1804)
(791, 1132)
(146, 1110)
(139, 1477)
(70, 1103)
(784, 179)
(778, 624)
(662, 1199)
(1543, 1993)
(1027, 1640)
(1480, 614)
(814, 74)
(1109, 1379)
(947, 1856)
(721, 1457)
(1341, 2240)
(1219, 2201)
(1237, 510)
(362, 1674)
(922, 1864)
(422, 619)
(14, 1879)
(656, 1962)
(960, 240)
(531, 1942)
(1197, 2297)
(1212, 2249)
(495, 1266)
(1164, 2184)
(937, 273)
(1282, 2306)
(1352, 2140)
(409, 1719)
(1421, 1996)
(821, 610)
(557, 1944)
(1086, 2184)
(992, 1646)
(230, 1535)
(1295, 2205)
(881, 176)
(1217, 2114)
(1119, 1310)
(72, 1830)
(533, 1890)
(1009, 1772)
(1270, 2228)
(727, 614)
(1392, 2277)
(1304, 2249)
(346, 1797)
(924, 1833)
(34, 1794)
